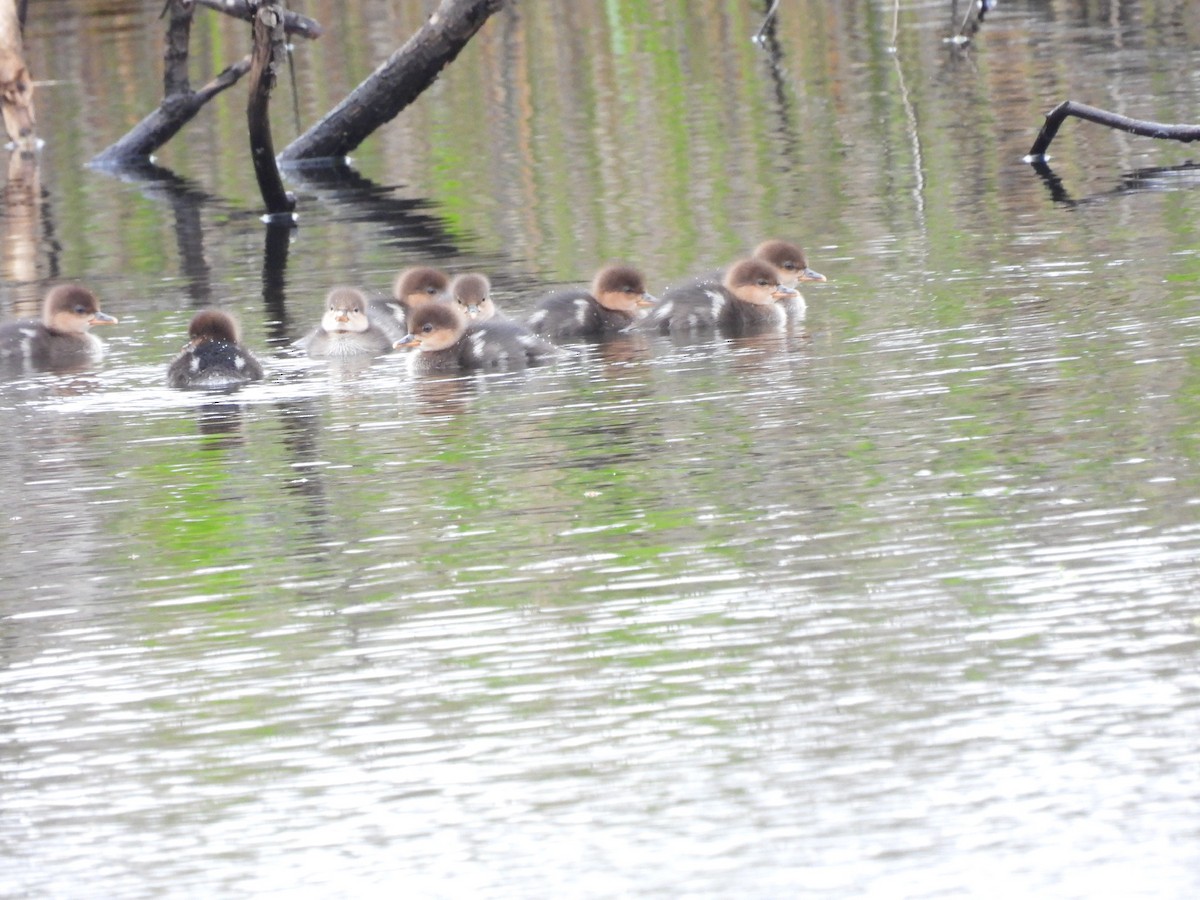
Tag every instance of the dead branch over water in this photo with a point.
(1058, 115)
(293, 23)
(395, 84)
(180, 104)
(268, 55)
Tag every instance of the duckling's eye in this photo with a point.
(790, 266)
(80, 310)
(427, 327)
(765, 282)
(431, 290)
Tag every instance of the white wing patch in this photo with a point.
(718, 303)
(537, 318)
(581, 310)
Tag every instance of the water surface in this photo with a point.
(897, 603)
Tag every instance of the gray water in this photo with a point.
(897, 603)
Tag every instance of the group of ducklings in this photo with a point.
(453, 324)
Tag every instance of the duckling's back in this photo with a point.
(28, 342)
(504, 344)
(213, 365)
(575, 313)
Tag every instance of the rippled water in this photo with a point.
(897, 603)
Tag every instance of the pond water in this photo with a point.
(899, 602)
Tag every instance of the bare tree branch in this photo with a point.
(267, 56)
(164, 123)
(293, 23)
(1056, 116)
(395, 84)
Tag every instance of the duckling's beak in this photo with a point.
(807, 274)
(343, 317)
(409, 340)
(473, 312)
(647, 300)
(783, 292)
(99, 318)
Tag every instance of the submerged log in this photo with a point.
(268, 55)
(1056, 116)
(16, 87)
(394, 85)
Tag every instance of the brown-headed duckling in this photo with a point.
(445, 341)
(612, 304)
(789, 259)
(61, 339)
(747, 299)
(214, 358)
(414, 286)
(348, 329)
(473, 293)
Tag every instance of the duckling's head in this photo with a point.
(345, 311)
(213, 325)
(789, 259)
(420, 285)
(473, 294)
(72, 309)
(755, 281)
(621, 288)
(433, 327)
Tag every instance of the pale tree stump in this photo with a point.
(16, 87)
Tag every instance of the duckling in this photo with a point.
(348, 329)
(746, 300)
(473, 292)
(447, 342)
(413, 287)
(60, 339)
(789, 259)
(214, 357)
(612, 304)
